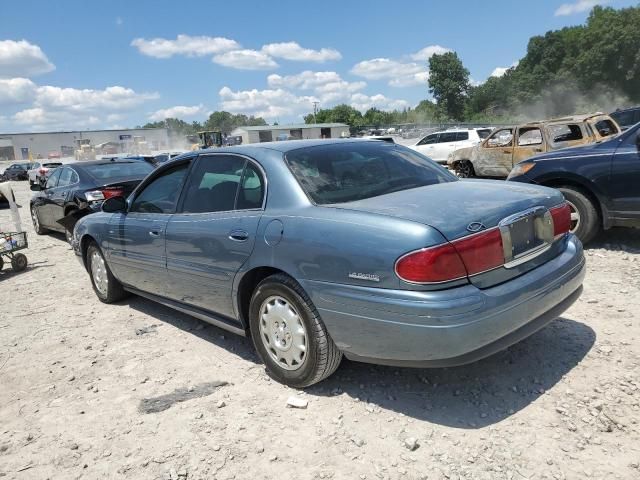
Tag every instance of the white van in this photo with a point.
(439, 145)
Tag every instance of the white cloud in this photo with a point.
(399, 74)
(22, 59)
(427, 52)
(270, 103)
(500, 71)
(329, 87)
(38, 119)
(179, 111)
(245, 60)
(184, 45)
(293, 51)
(16, 90)
(578, 7)
(364, 102)
(111, 98)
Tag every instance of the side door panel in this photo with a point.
(45, 210)
(494, 156)
(215, 232)
(624, 186)
(529, 142)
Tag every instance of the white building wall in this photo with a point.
(43, 143)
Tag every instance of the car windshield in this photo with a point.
(355, 171)
(104, 171)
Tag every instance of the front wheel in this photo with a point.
(107, 287)
(39, 229)
(19, 262)
(585, 220)
(289, 334)
(464, 169)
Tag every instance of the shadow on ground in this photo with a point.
(624, 239)
(475, 395)
(470, 396)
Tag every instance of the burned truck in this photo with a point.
(506, 146)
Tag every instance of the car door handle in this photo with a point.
(238, 235)
(154, 233)
(506, 151)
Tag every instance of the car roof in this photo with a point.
(82, 163)
(284, 147)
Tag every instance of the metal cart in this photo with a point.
(10, 243)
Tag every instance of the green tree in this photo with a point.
(449, 83)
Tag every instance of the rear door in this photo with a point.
(529, 142)
(214, 232)
(59, 194)
(137, 238)
(43, 202)
(624, 187)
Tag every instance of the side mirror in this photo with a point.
(36, 187)
(114, 204)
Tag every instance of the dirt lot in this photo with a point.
(129, 391)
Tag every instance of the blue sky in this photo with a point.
(80, 64)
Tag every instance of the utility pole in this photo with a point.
(315, 110)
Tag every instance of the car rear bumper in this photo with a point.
(447, 327)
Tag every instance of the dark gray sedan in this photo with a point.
(319, 249)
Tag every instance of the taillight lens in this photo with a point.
(112, 192)
(98, 195)
(451, 261)
(561, 219)
(431, 265)
(43, 171)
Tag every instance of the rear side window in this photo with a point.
(605, 127)
(460, 136)
(529, 136)
(429, 139)
(449, 137)
(53, 179)
(349, 172)
(66, 177)
(161, 194)
(565, 133)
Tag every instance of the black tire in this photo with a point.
(588, 224)
(1, 262)
(114, 291)
(19, 262)
(322, 356)
(464, 169)
(37, 226)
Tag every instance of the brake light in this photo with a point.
(98, 195)
(561, 216)
(43, 170)
(431, 265)
(451, 261)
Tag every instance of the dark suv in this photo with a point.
(627, 117)
(601, 181)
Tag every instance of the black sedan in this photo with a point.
(18, 171)
(77, 189)
(600, 181)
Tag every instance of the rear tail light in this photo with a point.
(43, 170)
(451, 261)
(561, 216)
(99, 195)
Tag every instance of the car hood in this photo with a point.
(451, 207)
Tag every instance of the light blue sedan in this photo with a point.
(319, 249)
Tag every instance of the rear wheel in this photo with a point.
(585, 220)
(107, 287)
(464, 169)
(19, 262)
(1, 263)
(39, 229)
(289, 334)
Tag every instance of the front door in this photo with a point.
(494, 156)
(44, 200)
(446, 145)
(624, 187)
(137, 238)
(213, 234)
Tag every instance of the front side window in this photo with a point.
(53, 179)
(483, 133)
(213, 184)
(461, 136)
(448, 137)
(429, 139)
(529, 136)
(501, 138)
(161, 194)
(355, 171)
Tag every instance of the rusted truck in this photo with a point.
(506, 146)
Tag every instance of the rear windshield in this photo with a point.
(118, 169)
(354, 171)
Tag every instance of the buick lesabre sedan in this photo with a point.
(319, 249)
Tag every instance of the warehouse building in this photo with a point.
(272, 133)
(25, 146)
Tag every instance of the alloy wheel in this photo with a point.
(575, 217)
(99, 273)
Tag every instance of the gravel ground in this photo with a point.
(136, 391)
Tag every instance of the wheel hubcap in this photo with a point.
(282, 333)
(99, 273)
(34, 217)
(575, 217)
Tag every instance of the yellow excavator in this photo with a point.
(84, 149)
(205, 139)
